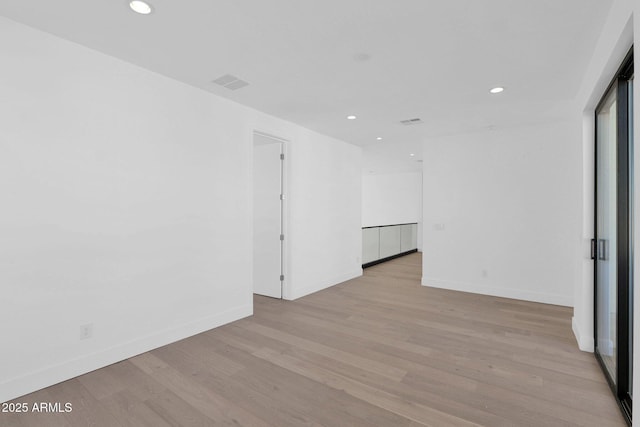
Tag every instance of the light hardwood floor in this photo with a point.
(380, 350)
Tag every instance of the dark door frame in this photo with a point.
(624, 173)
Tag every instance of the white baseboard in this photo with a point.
(585, 343)
(323, 284)
(54, 374)
(499, 292)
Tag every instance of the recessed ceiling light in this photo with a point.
(351, 117)
(140, 7)
(412, 154)
(379, 138)
(497, 89)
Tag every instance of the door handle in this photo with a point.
(602, 247)
(594, 249)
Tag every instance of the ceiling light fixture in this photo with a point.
(351, 117)
(379, 138)
(140, 7)
(497, 89)
(412, 154)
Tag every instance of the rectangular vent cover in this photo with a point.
(409, 122)
(230, 82)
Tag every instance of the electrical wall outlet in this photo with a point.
(86, 331)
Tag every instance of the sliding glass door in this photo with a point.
(606, 230)
(612, 247)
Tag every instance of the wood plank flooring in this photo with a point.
(380, 350)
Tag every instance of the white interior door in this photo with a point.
(267, 216)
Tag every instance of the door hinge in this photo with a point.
(282, 197)
(281, 156)
(282, 277)
(282, 237)
(594, 247)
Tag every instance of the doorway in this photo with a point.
(612, 248)
(268, 213)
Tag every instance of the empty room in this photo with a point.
(318, 213)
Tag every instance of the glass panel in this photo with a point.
(406, 241)
(370, 244)
(414, 236)
(389, 241)
(606, 269)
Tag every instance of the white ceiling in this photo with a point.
(314, 62)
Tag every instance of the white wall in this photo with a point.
(500, 211)
(126, 204)
(392, 198)
(325, 209)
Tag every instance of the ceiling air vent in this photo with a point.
(409, 122)
(230, 82)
